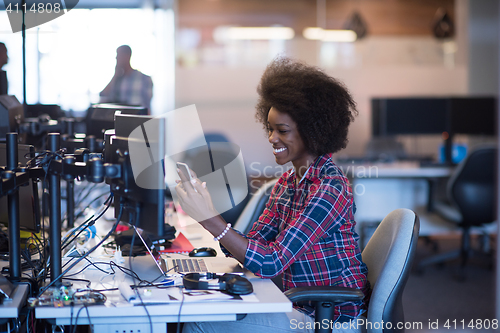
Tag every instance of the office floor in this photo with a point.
(436, 295)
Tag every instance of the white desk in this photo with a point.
(381, 188)
(118, 315)
(10, 309)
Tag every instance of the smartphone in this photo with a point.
(185, 169)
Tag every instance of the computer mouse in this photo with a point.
(203, 252)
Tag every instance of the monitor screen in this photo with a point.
(408, 116)
(29, 212)
(473, 115)
(101, 117)
(143, 193)
(455, 115)
(11, 115)
(52, 110)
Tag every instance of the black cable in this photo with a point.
(44, 159)
(179, 314)
(71, 317)
(83, 280)
(128, 271)
(65, 241)
(43, 258)
(80, 271)
(82, 211)
(86, 254)
(123, 269)
(28, 315)
(76, 320)
(88, 190)
(67, 263)
(89, 223)
(88, 316)
(91, 263)
(137, 216)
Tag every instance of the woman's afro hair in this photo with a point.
(321, 106)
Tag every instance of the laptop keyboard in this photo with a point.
(190, 265)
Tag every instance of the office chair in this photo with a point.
(471, 191)
(389, 255)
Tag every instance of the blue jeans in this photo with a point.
(290, 322)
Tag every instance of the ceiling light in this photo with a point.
(253, 33)
(327, 35)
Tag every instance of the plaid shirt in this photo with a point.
(307, 233)
(134, 88)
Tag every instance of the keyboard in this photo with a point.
(190, 265)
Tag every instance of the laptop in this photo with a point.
(178, 265)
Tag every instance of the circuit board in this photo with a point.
(64, 296)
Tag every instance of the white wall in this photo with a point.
(373, 67)
(225, 99)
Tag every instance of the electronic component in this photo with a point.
(64, 296)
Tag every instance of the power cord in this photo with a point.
(86, 254)
(90, 223)
(137, 215)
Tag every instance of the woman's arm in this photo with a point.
(195, 200)
(327, 207)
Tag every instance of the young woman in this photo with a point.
(306, 231)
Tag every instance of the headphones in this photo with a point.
(232, 283)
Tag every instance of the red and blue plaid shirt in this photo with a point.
(307, 233)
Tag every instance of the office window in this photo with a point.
(72, 58)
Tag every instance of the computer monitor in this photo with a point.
(143, 193)
(11, 115)
(409, 116)
(52, 110)
(29, 212)
(101, 117)
(469, 115)
(473, 115)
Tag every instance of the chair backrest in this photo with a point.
(389, 255)
(255, 207)
(472, 186)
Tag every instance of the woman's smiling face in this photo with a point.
(288, 145)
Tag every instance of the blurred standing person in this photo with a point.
(128, 86)
(4, 59)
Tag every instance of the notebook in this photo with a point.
(179, 245)
(180, 265)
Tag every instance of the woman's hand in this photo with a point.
(194, 197)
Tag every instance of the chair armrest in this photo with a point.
(324, 294)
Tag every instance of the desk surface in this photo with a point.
(118, 311)
(10, 309)
(394, 170)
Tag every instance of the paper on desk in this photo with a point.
(173, 295)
